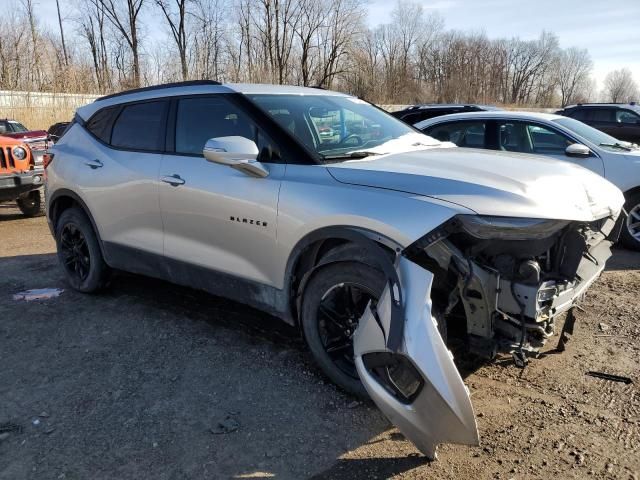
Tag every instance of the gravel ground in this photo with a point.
(149, 380)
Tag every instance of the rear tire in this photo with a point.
(31, 204)
(630, 237)
(79, 252)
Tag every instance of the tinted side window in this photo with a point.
(199, 119)
(601, 115)
(101, 122)
(463, 134)
(546, 141)
(625, 116)
(140, 126)
(514, 137)
(579, 114)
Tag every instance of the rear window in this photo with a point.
(140, 126)
(101, 122)
(470, 134)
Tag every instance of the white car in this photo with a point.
(551, 135)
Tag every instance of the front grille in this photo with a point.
(6, 158)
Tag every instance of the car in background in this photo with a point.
(552, 135)
(38, 140)
(20, 179)
(417, 113)
(57, 130)
(620, 120)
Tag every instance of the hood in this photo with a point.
(490, 182)
(31, 135)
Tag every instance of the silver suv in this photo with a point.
(377, 241)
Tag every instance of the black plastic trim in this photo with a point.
(264, 297)
(189, 83)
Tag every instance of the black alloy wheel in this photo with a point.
(75, 252)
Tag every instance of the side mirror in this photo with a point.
(236, 152)
(577, 150)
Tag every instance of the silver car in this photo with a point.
(556, 136)
(373, 241)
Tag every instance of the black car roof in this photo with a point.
(435, 106)
(631, 105)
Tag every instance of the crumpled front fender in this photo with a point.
(440, 410)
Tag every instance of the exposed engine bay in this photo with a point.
(512, 288)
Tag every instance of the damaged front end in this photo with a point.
(501, 281)
(513, 277)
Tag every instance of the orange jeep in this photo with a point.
(19, 179)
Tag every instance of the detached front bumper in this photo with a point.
(16, 184)
(400, 355)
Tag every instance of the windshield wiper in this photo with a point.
(617, 145)
(351, 156)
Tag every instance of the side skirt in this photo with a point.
(263, 297)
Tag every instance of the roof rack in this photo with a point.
(188, 83)
(603, 103)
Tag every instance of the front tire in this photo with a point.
(334, 300)
(31, 204)
(631, 228)
(79, 252)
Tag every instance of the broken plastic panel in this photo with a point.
(417, 387)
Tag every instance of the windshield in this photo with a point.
(339, 128)
(18, 127)
(591, 134)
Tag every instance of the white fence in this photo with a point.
(10, 99)
(38, 110)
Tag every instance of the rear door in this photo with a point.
(603, 119)
(118, 175)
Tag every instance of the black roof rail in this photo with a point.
(188, 83)
(583, 104)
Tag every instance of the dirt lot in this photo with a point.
(139, 381)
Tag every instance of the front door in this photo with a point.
(628, 125)
(215, 217)
(539, 139)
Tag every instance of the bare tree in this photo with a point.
(573, 68)
(619, 86)
(35, 53)
(176, 19)
(64, 45)
(124, 16)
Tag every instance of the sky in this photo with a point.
(609, 29)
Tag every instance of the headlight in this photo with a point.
(19, 153)
(509, 228)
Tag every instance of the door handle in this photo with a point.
(173, 180)
(93, 164)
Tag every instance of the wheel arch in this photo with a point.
(631, 192)
(308, 253)
(64, 199)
